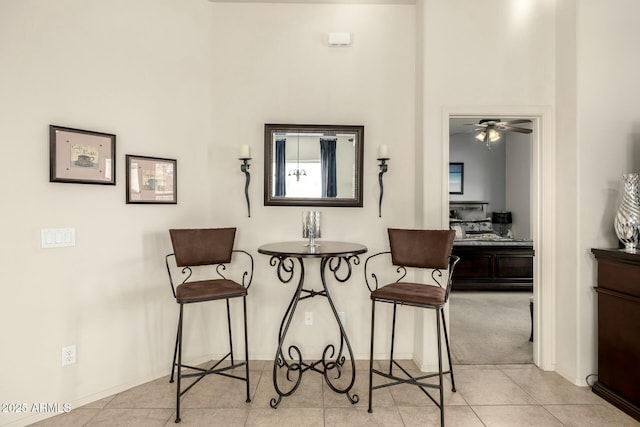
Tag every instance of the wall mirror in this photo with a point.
(313, 165)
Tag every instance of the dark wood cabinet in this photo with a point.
(493, 268)
(618, 293)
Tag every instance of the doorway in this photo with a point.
(491, 323)
(541, 212)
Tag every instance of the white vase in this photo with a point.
(627, 221)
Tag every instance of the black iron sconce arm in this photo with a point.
(383, 169)
(244, 167)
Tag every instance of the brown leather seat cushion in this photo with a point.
(411, 293)
(207, 290)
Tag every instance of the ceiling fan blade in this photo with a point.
(516, 122)
(514, 129)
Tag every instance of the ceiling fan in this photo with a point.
(489, 129)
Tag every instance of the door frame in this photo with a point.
(542, 213)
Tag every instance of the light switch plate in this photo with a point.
(57, 237)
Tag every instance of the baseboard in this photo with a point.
(616, 400)
(94, 397)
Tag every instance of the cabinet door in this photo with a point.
(619, 344)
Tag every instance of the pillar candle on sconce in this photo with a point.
(245, 156)
(383, 156)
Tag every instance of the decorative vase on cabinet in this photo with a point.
(627, 221)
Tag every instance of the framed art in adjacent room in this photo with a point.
(81, 156)
(151, 180)
(456, 178)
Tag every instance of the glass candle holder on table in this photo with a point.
(311, 227)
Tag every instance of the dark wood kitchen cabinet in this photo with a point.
(618, 291)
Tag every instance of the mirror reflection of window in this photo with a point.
(309, 185)
(346, 166)
(324, 166)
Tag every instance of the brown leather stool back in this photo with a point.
(203, 246)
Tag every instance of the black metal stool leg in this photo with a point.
(373, 318)
(440, 370)
(230, 339)
(393, 336)
(179, 366)
(246, 346)
(446, 340)
(175, 351)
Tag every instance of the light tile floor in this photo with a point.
(487, 395)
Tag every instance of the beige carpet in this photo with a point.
(490, 328)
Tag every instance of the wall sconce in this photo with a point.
(383, 156)
(245, 156)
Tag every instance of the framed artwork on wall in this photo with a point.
(81, 156)
(456, 178)
(151, 180)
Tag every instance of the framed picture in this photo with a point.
(456, 178)
(151, 180)
(81, 156)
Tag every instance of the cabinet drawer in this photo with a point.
(619, 277)
(514, 266)
(474, 266)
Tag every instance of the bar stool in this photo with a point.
(212, 247)
(425, 249)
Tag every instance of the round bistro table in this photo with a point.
(338, 258)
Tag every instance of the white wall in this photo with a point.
(500, 176)
(607, 133)
(567, 194)
(546, 59)
(596, 104)
(484, 170)
(457, 77)
(518, 173)
(457, 73)
(280, 69)
(114, 67)
(190, 80)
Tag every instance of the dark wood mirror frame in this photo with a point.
(270, 133)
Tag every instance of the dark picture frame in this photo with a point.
(347, 157)
(151, 180)
(456, 178)
(81, 156)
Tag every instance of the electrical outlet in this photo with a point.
(69, 355)
(308, 318)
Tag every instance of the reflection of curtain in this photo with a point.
(328, 167)
(281, 164)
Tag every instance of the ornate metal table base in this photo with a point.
(289, 367)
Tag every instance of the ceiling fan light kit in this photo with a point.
(488, 137)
